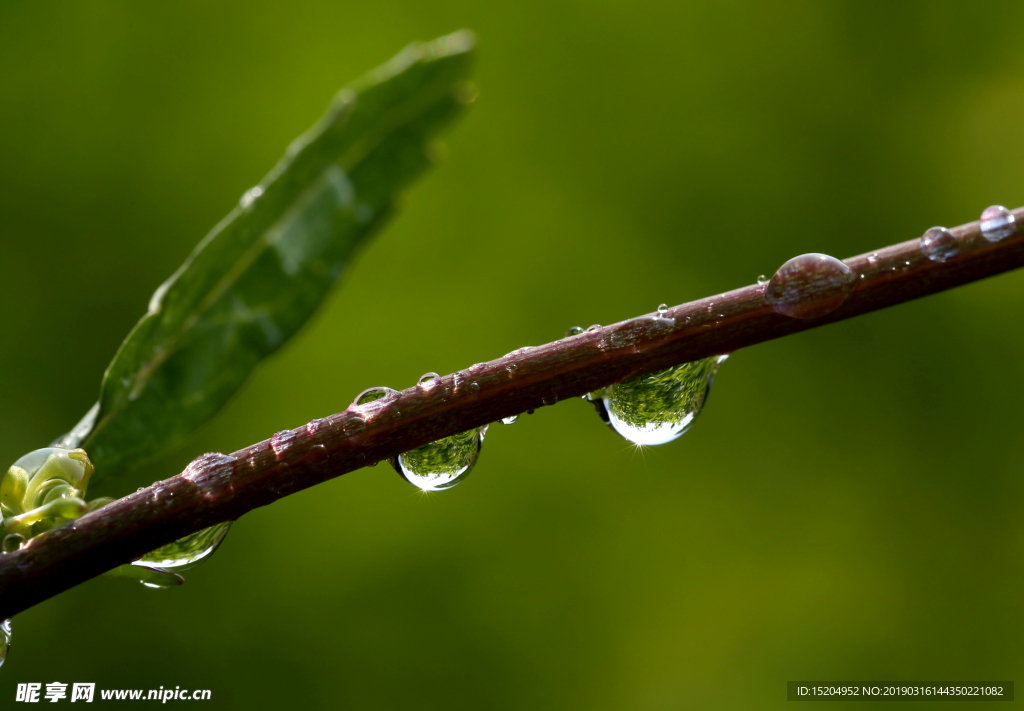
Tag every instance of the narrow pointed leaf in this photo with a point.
(259, 275)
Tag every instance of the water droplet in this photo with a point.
(474, 387)
(160, 584)
(250, 196)
(659, 407)
(762, 279)
(378, 395)
(210, 470)
(810, 286)
(150, 578)
(5, 640)
(12, 542)
(662, 309)
(355, 428)
(591, 329)
(873, 257)
(428, 380)
(442, 464)
(316, 425)
(509, 420)
(282, 441)
(574, 331)
(511, 368)
(939, 244)
(997, 222)
(466, 92)
(185, 553)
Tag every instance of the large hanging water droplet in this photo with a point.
(939, 244)
(148, 577)
(810, 286)
(659, 407)
(442, 464)
(997, 222)
(187, 552)
(155, 580)
(5, 640)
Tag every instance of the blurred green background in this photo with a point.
(850, 504)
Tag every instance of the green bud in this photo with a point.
(12, 490)
(69, 508)
(50, 466)
(43, 489)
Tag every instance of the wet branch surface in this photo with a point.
(210, 491)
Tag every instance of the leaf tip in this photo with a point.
(458, 42)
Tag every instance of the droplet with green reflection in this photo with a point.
(659, 407)
(185, 553)
(442, 464)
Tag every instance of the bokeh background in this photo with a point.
(849, 506)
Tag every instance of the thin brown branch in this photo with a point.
(209, 491)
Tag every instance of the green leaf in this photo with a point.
(259, 275)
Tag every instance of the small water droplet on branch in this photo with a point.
(939, 244)
(997, 223)
(810, 286)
